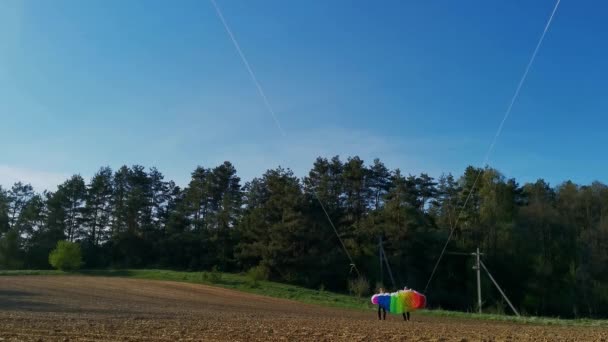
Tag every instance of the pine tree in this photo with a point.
(378, 183)
(98, 206)
(4, 212)
(273, 224)
(75, 194)
(122, 188)
(18, 197)
(196, 198)
(355, 190)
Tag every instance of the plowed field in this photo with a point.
(79, 308)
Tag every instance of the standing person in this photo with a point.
(406, 315)
(381, 308)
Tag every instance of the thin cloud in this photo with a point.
(298, 152)
(40, 180)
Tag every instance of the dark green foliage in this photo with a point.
(272, 232)
(98, 207)
(66, 257)
(358, 286)
(18, 197)
(4, 211)
(215, 276)
(10, 252)
(71, 196)
(547, 246)
(257, 274)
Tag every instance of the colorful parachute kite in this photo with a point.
(400, 301)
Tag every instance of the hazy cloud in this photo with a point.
(299, 150)
(39, 179)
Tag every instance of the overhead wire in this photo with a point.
(269, 108)
(495, 139)
(249, 69)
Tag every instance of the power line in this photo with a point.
(521, 83)
(331, 223)
(249, 69)
(278, 124)
(498, 132)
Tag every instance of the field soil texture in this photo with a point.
(83, 308)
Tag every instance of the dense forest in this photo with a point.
(546, 246)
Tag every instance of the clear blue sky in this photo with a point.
(422, 85)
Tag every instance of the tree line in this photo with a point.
(546, 246)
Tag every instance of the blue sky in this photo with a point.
(422, 85)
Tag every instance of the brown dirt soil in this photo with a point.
(63, 308)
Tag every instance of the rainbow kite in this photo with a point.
(400, 301)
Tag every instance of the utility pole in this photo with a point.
(388, 268)
(385, 259)
(380, 258)
(477, 268)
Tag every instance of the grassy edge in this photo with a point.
(278, 290)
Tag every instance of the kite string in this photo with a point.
(278, 124)
(496, 136)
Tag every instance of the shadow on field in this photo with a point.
(228, 283)
(24, 301)
(107, 273)
(14, 294)
(20, 301)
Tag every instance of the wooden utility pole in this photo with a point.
(383, 258)
(477, 267)
(380, 259)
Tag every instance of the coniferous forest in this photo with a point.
(546, 245)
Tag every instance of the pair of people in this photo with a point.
(382, 310)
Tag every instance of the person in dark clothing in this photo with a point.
(383, 315)
(406, 315)
(381, 309)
